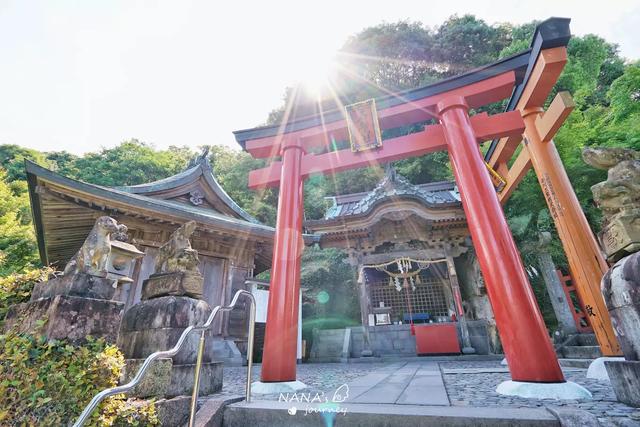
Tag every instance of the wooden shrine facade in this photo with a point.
(423, 225)
(232, 245)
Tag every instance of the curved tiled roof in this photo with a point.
(199, 168)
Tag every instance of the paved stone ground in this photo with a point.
(468, 389)
(479, 390)
(319, 377)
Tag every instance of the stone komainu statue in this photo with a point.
(92, 257)
(621, 190)
(177, 255)
(618, 197)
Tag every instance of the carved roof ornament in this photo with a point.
(395, 185)
(201, 158)
(196, 197)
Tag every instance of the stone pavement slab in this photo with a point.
(404, 384)
(492, 370)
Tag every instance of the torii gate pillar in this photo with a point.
(514, 305)
(281, 333)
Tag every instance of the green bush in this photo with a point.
(16, 288)
(48, 383)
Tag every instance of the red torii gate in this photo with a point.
(524, 336)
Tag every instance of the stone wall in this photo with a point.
(329, 345)
(337, 345)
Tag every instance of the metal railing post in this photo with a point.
(196, 381)
(250, 338)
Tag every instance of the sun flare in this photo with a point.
(316, 71)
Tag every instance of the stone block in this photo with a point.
(179, 284)
(621, 236)
(165, 312)
(79, 285)
(168, 379)
(174, 411)
(140, 344)
(625, 380)
(155, 381)
(68, 317)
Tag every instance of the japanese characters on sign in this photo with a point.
(363, 126)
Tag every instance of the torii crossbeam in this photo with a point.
(522, 331)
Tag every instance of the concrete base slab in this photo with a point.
(211, 411)
(598, 371)
(558, 391)
(468, 350)
(262, 413)
(259, 387)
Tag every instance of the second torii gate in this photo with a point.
(527, 346)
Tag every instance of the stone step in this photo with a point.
(586, 339)
(581, 352)
(575, 363)
(273, 414)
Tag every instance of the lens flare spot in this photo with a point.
(323, 297)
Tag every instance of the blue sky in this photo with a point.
(78, 75)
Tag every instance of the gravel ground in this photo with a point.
(477, 389)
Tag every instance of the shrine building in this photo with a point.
(232, 245)
(410, 248)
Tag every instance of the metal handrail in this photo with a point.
(173, 351)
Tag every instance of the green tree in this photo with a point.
(12, 159)
(129, 163)
(17, 239)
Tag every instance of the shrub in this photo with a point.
(48, 383)
(16, 288)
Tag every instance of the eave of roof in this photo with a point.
(425, 194)
(144, 202)
(553, 32)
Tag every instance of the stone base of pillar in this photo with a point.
(259, 387)
(366, 353)
(598, 371)
(558, 391)
(468, 350)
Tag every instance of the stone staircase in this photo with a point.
(579, 346)
(226, 351)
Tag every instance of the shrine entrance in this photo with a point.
(305, 147)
